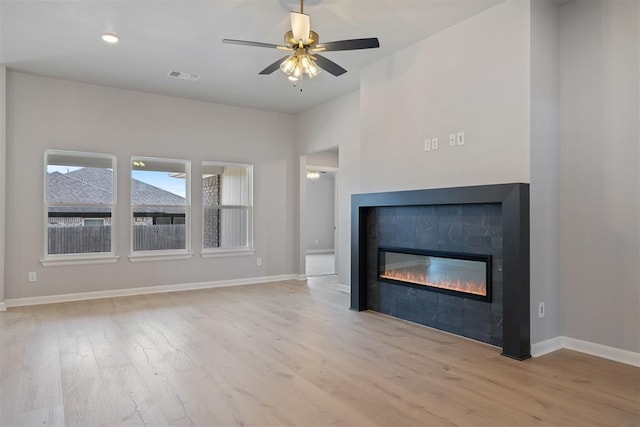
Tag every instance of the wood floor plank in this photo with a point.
(283, 353)
(130, 400)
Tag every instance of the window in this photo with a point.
(160, 206)
(227, 202)
(79, 205)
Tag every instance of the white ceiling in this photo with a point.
(62, 39)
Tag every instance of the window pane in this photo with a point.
(159, 228)
(226, 185)
(158, 182)
(225, 227)
(79, 185)
(79, 202)
(67, 234)
(159, 202)
(226, 198)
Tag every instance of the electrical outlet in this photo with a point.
(33, 276)
(452, 139)
(434, 144)
(540, 310)
(427, 144)
(460, 138)
(259, 261)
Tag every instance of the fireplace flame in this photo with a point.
(421, 278)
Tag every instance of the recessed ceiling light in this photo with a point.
(110, 38)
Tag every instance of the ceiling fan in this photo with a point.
(304, 45)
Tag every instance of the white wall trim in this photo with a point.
(160, 256)
(545, 347)
(343, 288)
(302, 277)
(611, 353)
(3, 306)
(77, 260)
(227, 252)
(3, 175)
(83, 296)
(599, 350)
(319, 251)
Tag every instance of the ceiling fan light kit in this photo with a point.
(303, 42)
(299, 65)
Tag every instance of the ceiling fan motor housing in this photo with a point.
(290, 40)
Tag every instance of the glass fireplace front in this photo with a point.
(466, 275)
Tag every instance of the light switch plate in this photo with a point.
(452, 139)
(434, 143)
(460, 138)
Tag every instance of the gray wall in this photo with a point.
(471, 77)
(49, 113)
(600, 184)
(324, 159)
(545, 169)
(320, 213)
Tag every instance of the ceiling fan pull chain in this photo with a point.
(298, 83)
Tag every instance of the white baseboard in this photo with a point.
(343, 288)
(611, 353)
(302, 277)
(3, 306)
(545, 347)
(319, 251)
(82, 296)
(599, 350)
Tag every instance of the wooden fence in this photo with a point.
(158, 237)
(79, 240)
(76, 240)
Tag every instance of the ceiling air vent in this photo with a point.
(184, 76)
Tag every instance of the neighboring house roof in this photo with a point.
(64, 188)
(145, 194)
(94, 186)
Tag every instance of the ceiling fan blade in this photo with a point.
(255, 44)
(329, 66)
(354, 44)
(273, 67)
(300, 26)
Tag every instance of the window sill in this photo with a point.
(78, 260)
(227, 252)
(166, 256)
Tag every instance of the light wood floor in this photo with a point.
(284, 353)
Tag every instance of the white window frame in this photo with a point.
(169, 254)
(230, 251)
(79, 258)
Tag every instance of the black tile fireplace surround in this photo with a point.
(491, 219)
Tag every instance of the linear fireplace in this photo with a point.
(465, 275)
(408, 232)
